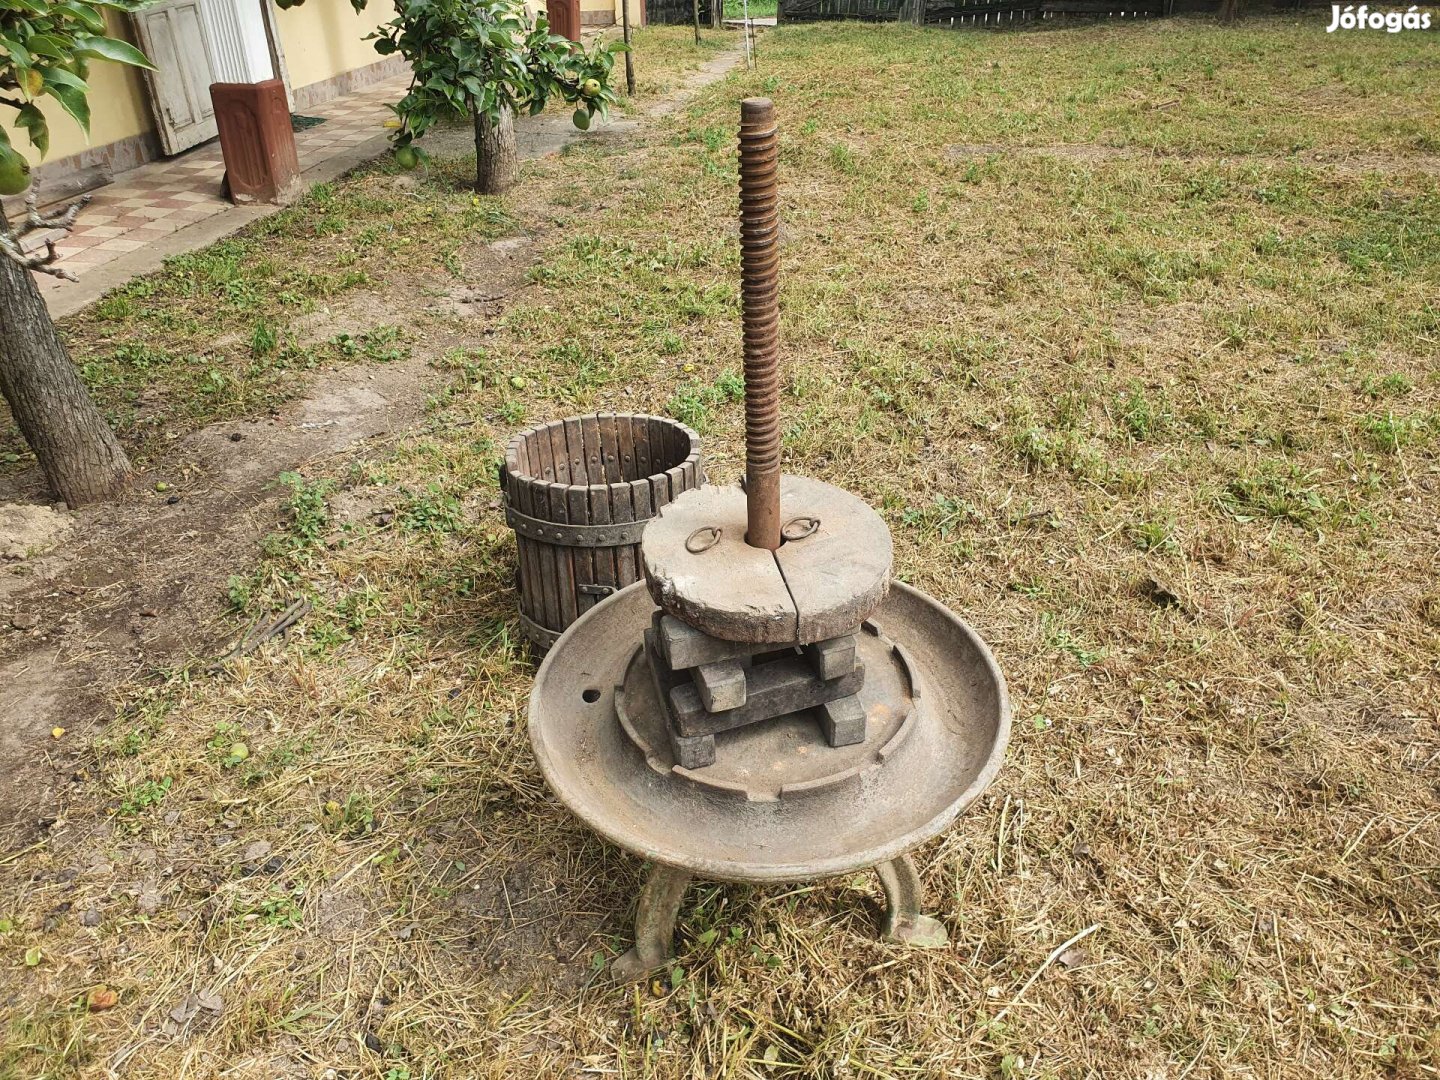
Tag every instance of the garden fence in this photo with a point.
(990, 12)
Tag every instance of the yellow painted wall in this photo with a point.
(325, 38)
(613, 6)
(119, 108)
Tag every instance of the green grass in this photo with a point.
(222, 333)
(759, 9)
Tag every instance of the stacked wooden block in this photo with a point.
(744, 634)
(708, 685)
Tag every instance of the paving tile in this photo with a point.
(189, 217)
(119, 244)
(81, 261)
(78, 241)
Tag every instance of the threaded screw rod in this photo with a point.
(760, 314)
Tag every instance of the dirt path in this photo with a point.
(139, 584)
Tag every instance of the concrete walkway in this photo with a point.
(170, 206)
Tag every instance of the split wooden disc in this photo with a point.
(830, 573)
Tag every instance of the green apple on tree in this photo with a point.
(14, 172)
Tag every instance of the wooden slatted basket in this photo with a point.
(578, 493)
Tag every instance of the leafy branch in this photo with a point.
(46, 47)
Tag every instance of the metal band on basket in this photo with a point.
(575, 535)
(541, 635)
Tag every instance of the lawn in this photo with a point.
(1130, 332)
(758, 9)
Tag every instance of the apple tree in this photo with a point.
(489, 60)
(46, 49)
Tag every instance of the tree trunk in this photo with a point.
(629, 53)
(497, 163)
(75, 447)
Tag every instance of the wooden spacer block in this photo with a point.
(685, 647)
(721, 685)
(843, 721)
(776, 688)
(691, 751)
(832, 657)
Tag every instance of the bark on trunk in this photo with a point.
(75, 447)
(497, 163)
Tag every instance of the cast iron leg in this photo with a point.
(655, 914)
(904, 924)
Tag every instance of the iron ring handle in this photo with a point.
(702, 539)
(799, 528)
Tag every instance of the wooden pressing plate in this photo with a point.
(822, 584)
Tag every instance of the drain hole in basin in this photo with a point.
(591, 695)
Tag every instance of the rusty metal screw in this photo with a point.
(760, 310)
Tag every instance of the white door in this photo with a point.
(172, 34)
(194, 43)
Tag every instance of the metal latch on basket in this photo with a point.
(594, 590)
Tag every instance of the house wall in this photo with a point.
(325, 54)
(325, 47)
(598, 12)
(608, 12)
